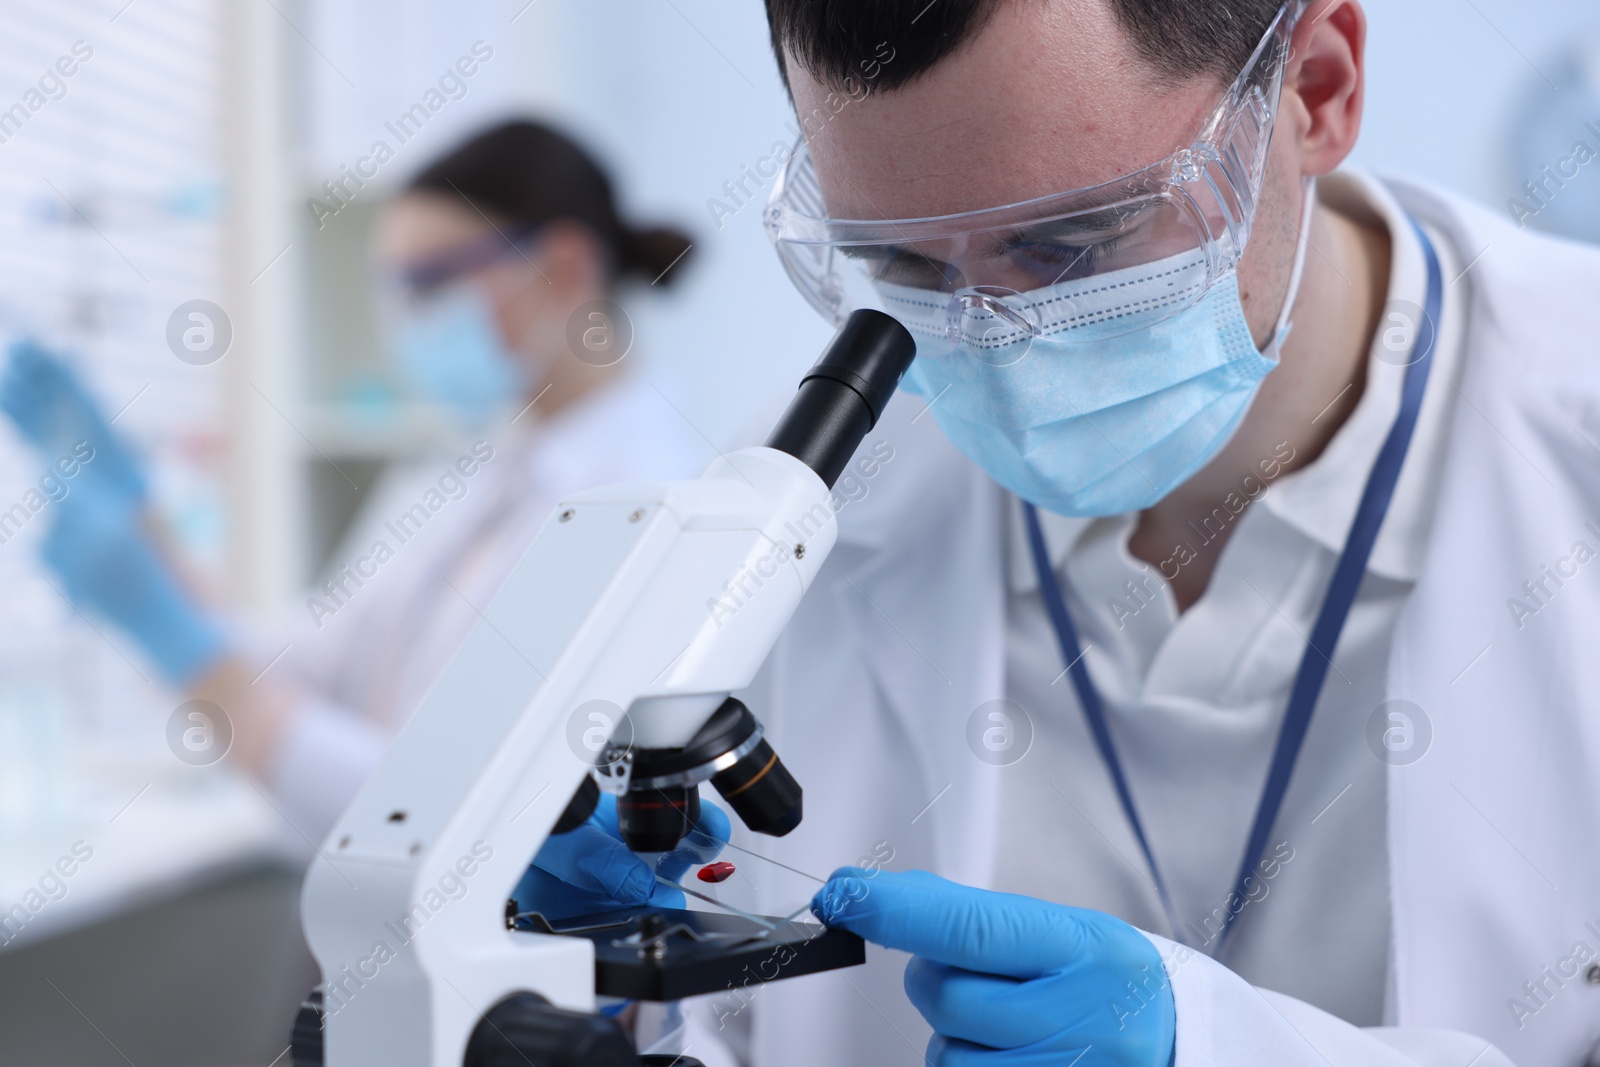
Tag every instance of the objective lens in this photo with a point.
(655, 820)
(760, 789)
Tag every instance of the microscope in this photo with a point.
(636, 611)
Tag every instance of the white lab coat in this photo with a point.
(1493, 836)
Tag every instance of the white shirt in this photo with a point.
(364, 654)
(1195, 701)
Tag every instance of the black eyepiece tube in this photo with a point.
(841, 398)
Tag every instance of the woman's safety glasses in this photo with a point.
(1082, 265)
(417, 282)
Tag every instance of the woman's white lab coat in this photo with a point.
(868, 693)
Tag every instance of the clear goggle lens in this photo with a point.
(1083, 265)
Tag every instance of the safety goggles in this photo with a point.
(417, 282)
(1087, 264)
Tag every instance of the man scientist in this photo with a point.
(1211, 660)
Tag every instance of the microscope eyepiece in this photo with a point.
(730, 751)
(843, 395)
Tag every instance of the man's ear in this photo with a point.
(1325, 83)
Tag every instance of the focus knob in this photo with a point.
(525, 1029)
(305, 1039)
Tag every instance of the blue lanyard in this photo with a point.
(1318, 656)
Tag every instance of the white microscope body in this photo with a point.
(658, 598)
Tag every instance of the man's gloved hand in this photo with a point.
(590, 869)
(110, 566)
(54, 411)
(1012, 980)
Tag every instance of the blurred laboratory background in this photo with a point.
(163, 156)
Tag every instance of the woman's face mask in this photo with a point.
(451, 351)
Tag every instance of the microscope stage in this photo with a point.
(668, 953)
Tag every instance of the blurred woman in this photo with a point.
(503, 260)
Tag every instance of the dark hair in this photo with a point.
(1180, 39)
(524, 173)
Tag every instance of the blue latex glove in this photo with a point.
(55, 412)
(590, 869)
(1012, 980)
(109, 565)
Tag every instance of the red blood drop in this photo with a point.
(715, 872)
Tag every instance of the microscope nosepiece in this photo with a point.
(662, 802)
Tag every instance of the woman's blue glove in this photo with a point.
(55, 412)
(1012, 980)
(590, 869)
(110, 566)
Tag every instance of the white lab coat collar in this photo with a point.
(1061, 535)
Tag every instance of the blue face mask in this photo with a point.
(450, 350)
(1110, 421)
